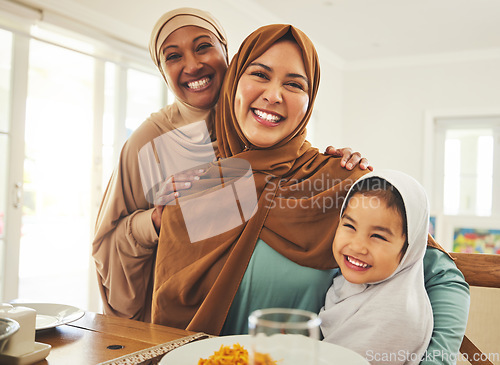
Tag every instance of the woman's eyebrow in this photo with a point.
(173, 46)
(202, 36)
(300, 77)
(194, 40)
(267, 68)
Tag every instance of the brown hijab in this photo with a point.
(299, 193)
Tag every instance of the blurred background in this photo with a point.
(413, 85)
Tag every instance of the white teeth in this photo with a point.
(353, 261)
(199, 83)
(269, 117)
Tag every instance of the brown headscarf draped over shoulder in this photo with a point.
(299, 195)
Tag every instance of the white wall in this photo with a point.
(327, 113)
(383, 109)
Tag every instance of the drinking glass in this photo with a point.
(287, 336)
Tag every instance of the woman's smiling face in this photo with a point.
(194, 63)
(272, 95)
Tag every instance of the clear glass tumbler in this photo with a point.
(283, 336)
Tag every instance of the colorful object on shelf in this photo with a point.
(473, 240)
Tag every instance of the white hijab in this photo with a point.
(388, 322)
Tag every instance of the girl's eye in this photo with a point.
(379, 237)
(350, 226)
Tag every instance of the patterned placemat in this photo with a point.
(153, 355)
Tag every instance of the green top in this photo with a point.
(450, 298)
(295, 286)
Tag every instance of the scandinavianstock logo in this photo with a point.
(229, 204)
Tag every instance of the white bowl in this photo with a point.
(7, 328)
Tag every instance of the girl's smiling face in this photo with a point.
(194, 63)
(369, 240)
(272, 95)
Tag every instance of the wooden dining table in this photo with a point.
(97, 338)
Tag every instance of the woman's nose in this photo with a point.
(273, 93)
(191, 64)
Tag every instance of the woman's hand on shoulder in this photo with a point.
(349, 159)
(171, 189)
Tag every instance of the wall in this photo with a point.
(384, 108)
(326, 123)
(483, 322)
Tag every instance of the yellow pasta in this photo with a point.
(236, 355)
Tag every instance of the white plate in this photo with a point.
(190, 353)
(50, 315)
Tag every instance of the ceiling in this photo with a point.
(368, 29)
(350, 30)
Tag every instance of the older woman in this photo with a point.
(280, 256)
(126, 229)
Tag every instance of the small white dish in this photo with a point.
(50, 315)
(7, 328)
(38, 354)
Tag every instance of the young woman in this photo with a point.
(266, 101)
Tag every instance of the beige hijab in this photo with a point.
(124, 261)
(178, 18)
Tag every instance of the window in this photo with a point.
(56, 210)
(144, 94)
(5, 72)
(468, 171)
(77, 102)
(109, 122)
(465, 191)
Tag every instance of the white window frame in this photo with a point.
(19, 20)
(433, 176)
(19, 89)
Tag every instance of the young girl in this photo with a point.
(378, 307)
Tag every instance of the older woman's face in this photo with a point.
(272, 95)
(194, 64)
